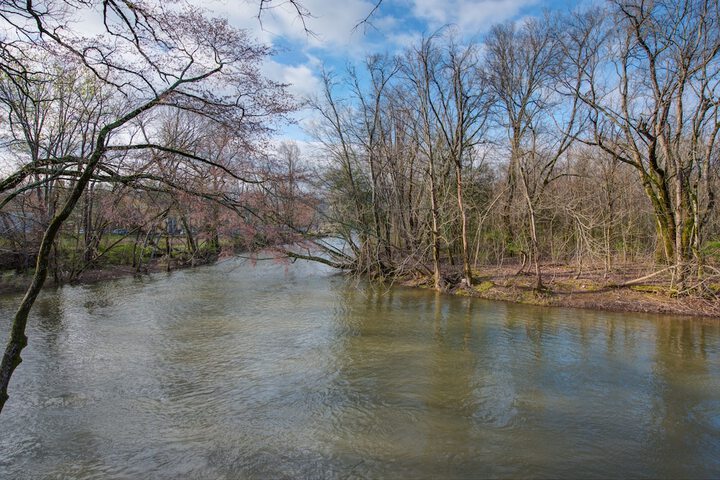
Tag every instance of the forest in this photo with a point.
(585, 141)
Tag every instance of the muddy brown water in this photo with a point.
(290, 371)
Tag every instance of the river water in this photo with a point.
(291, 371)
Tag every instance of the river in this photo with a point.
(291, 371)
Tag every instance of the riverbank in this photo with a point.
(11, 282)
(592, 289)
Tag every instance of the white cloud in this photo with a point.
(405, 39)
(383, 23)
(307, 147)
(304, 82)
(335, 21)
(436, 12)
(471, 16)
(303, 78)
(332, 23)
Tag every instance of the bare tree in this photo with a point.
(650, 78)
(522, 64)
(461, 113)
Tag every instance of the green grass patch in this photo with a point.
(656, 289)
(483, 287)
(712, 249)
(122, 254)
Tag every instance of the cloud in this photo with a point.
(329, 26)
(334, 22)
(304, 82)
(471, 16)
(405, 39)
(302, 78)
(307, 147)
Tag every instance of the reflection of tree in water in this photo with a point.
(505, 385)
(686, 406)
(538, 323)
(61, 402)
(49, 319)
(404, 380)
(449, 426)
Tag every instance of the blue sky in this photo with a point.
(336, 42)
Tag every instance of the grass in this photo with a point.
(484, 286)
(712, 250)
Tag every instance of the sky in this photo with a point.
(338, 41)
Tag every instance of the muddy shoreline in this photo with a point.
(593, 289)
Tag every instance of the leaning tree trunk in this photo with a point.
(18, 340)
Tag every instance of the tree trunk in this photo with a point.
(435, 233)
(467, 272)
(18, 340)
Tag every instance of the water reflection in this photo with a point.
(290, 371)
